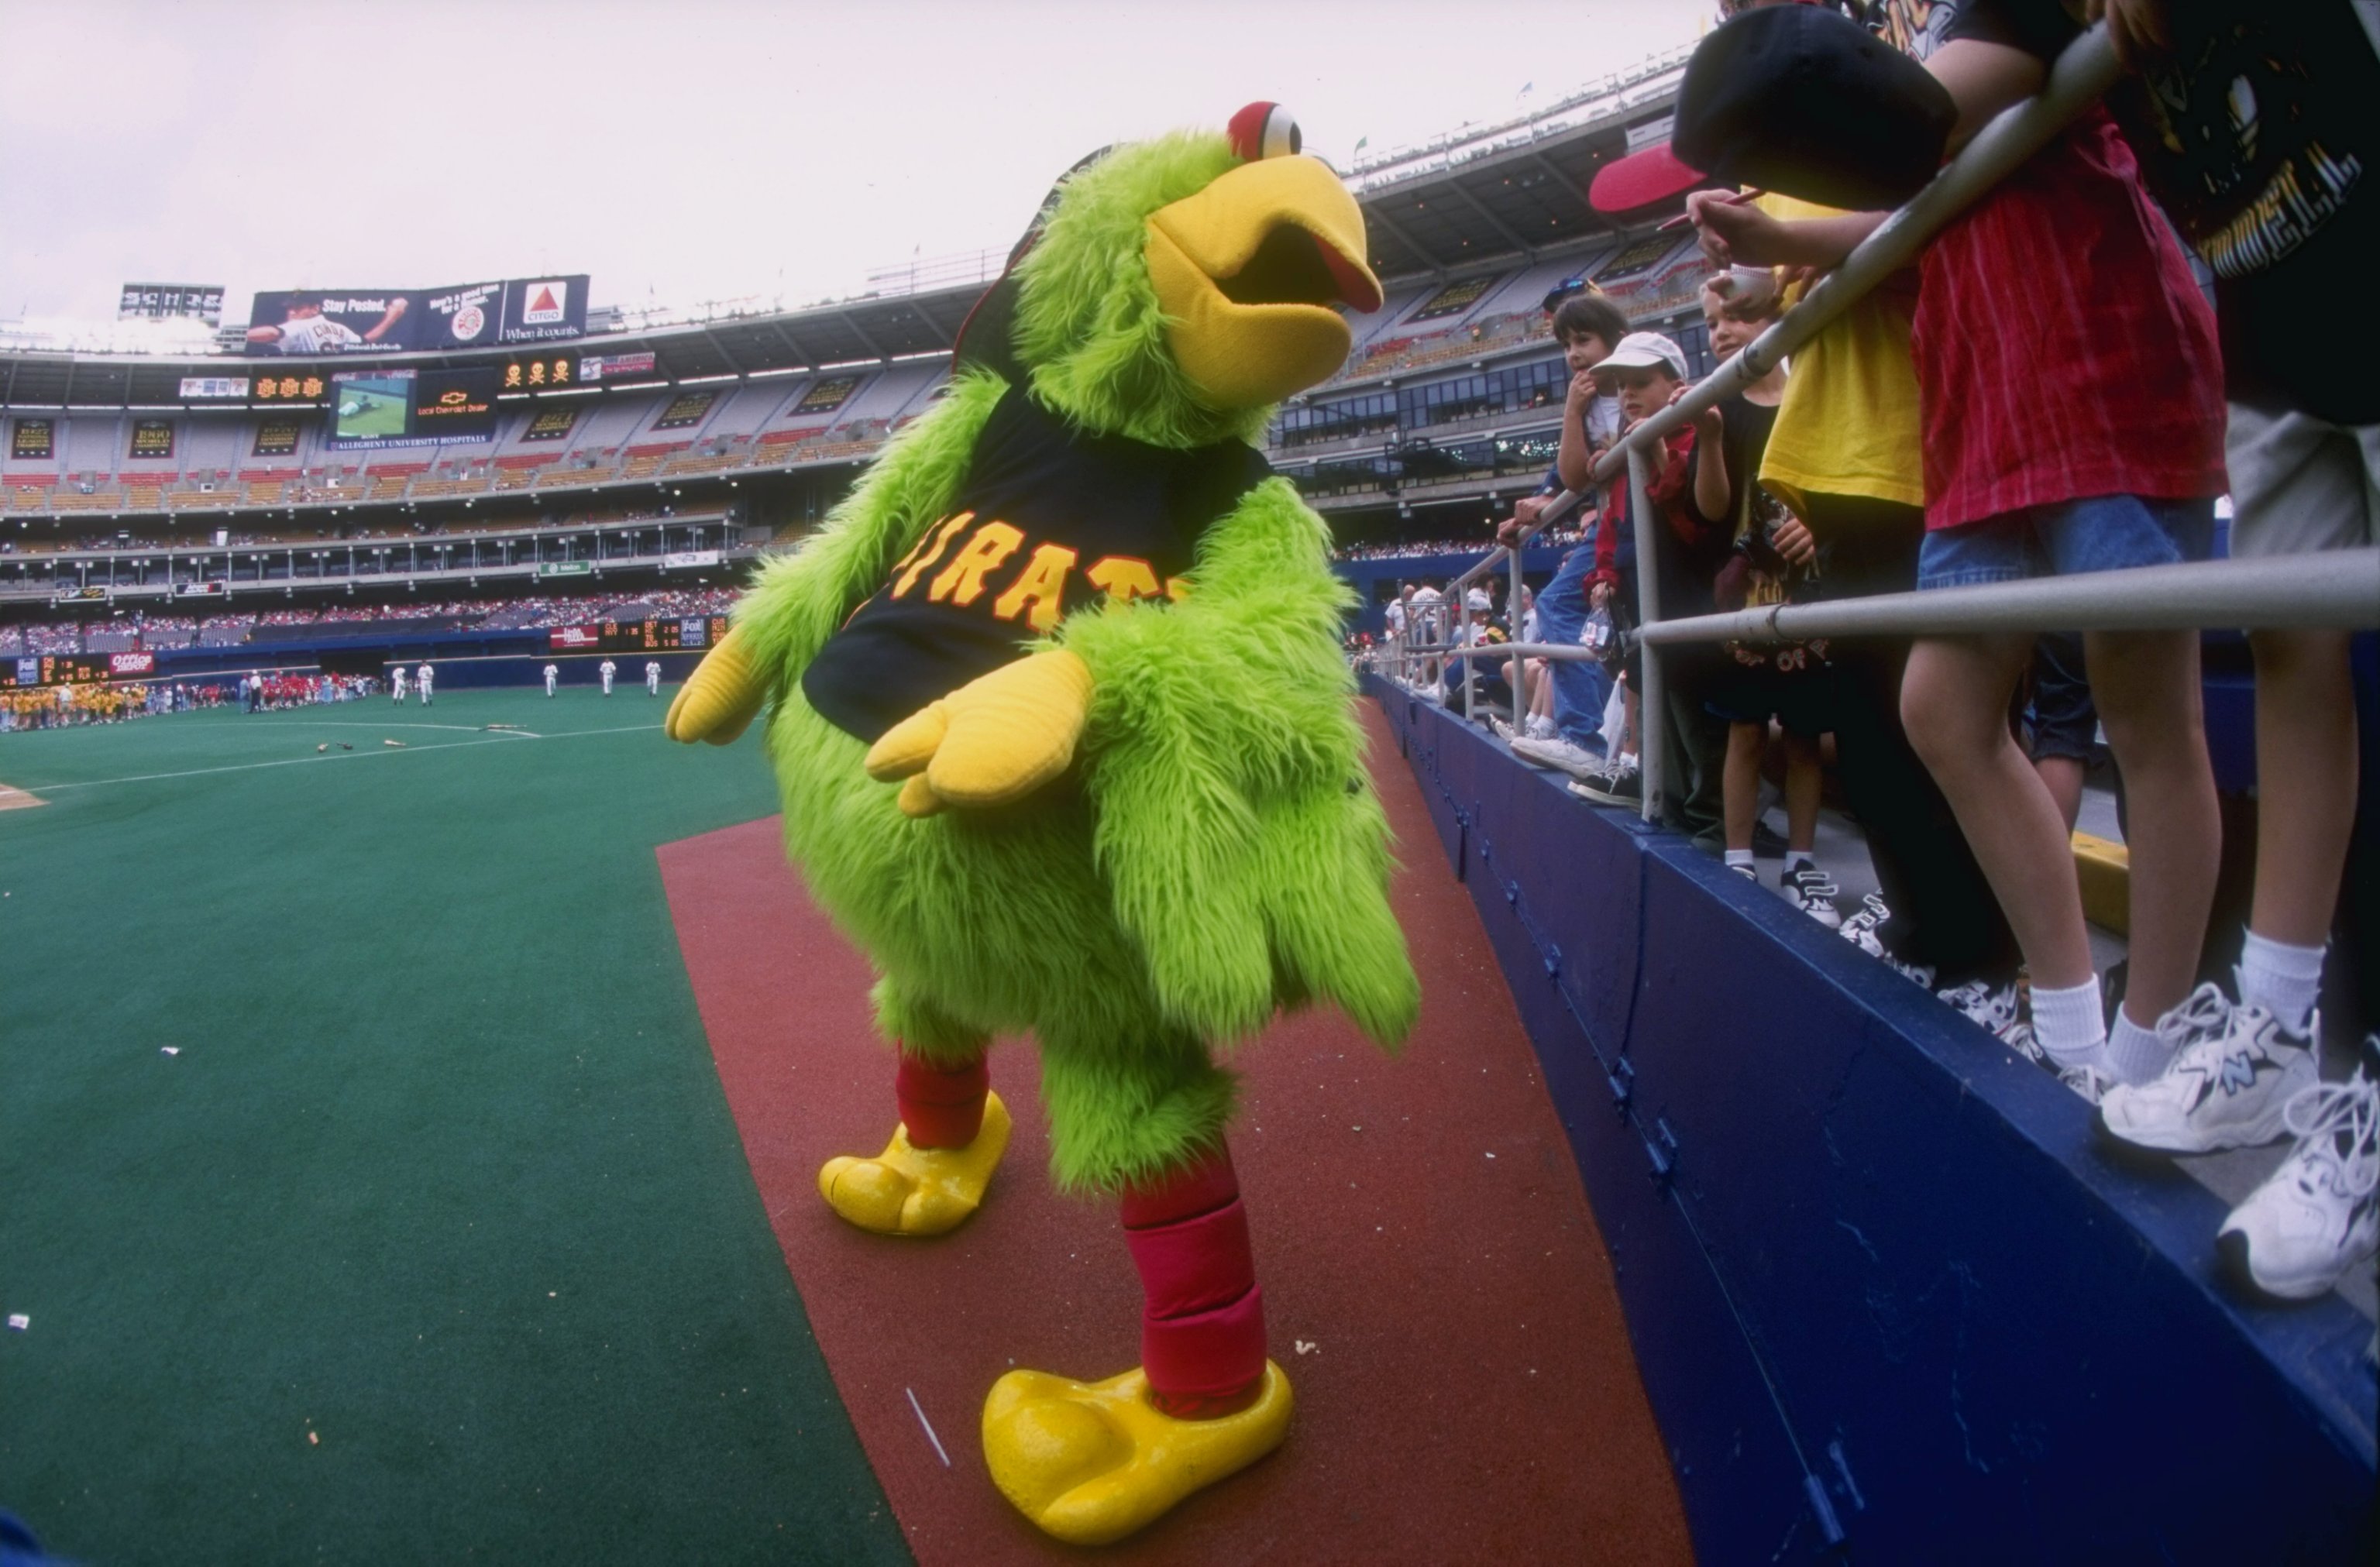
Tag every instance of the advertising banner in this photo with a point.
(551, 424)
(595, 366)
(828, 394)
(199, 590)
(542, 308)
(195, 386)
(686, 408)
(151, 438)
(468, 317)
(689, 558)
(304, 323)
(315, 322)
(575, 638)
(372, 409)
(130, 666)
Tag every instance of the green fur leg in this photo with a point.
(909, 1020)
(1121, 1117)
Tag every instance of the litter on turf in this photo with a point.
(18, 1321)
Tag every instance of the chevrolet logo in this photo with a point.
(453, 399)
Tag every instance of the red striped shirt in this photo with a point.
(2063, 348)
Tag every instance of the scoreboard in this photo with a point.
(75, 669)
(674, 635)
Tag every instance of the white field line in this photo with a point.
(344, 756)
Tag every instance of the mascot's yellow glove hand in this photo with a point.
(723, 698)
(992, 740)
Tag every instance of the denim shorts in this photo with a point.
(2067, 538)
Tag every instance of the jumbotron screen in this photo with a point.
(403, 408)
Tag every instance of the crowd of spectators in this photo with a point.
(127, 632)
(376, 532)
(1402, 549)
(1918, 443)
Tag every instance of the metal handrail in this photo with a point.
(2337, 590)
(2076, 81)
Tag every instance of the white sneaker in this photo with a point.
(1560, 755)
(2317, 1215)
(1813, 892)
(1990, 1007)
(2089, 1081)
(2019, 1038)
(2234, 1073)
(1616, 783)
(1505, 731)
(1861, 927)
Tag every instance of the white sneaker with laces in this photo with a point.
(2019, 1038)
(1613, 783)
(2317, 1215)
(1988, 1006)
(2089, 1081)
(2233, 1075)
(1560, 755)
(1813, 892)
(1859, 928)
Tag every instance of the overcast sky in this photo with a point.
(679, 150)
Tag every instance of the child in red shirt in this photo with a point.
(2071, 395)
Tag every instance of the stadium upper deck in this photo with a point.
(1470, 232)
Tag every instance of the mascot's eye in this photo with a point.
(1264, 130)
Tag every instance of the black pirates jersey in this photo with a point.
(1049, 519)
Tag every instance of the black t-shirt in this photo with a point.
(1048, 519)
(2254, 132)
(1744, 441)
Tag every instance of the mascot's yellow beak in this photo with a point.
(1246, 271)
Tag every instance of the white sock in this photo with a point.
(2283, 979)
(2135, 1053)
(1738, 856)
(1800, 859)
(2069, 1024)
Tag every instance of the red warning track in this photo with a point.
(1435, 1284)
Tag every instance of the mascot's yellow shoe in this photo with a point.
(1091, 1462)
(911, 1191)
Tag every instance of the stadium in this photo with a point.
(412, 1106)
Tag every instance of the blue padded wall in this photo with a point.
(1889, 1296)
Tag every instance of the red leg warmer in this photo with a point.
(1202, 1337)
(942, 1106)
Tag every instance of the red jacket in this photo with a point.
(1671, 491)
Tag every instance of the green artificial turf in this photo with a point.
(435, 1242)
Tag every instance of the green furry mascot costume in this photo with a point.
(1065, 743)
